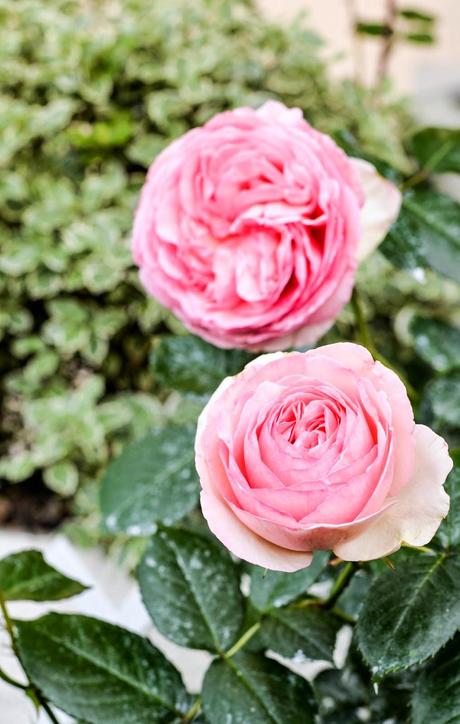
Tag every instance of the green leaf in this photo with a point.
(351, 600)
(412, 14)
(154, 480)
(426, 234)
(250, 688)
(436, 343)
(98, 672)
(410, 613)
(301, 633)
(62, 477)
(449, 532)
(26, 576)
(442, 399)
(344, 693)
(341, 691)
(436, 698)
(373, 29)
(437, 149)
(270, 589)
(190, 587)
(420, 38)
(103, 134)
(190, 364)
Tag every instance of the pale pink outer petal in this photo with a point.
(241, 541)
(299, 338)
(245, 544)
(381, 206)
(418, 509)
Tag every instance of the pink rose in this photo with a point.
(250, 228)
(318, 450)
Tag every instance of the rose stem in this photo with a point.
(193, 711)
(340, 585)
(243, 640)
(365, 338)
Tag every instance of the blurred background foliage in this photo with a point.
(90, 92)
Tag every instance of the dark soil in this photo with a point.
(32, 506)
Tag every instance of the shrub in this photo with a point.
(90, 92)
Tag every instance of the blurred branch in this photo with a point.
(355, 42)
(387, 41)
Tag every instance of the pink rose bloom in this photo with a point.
(316, 451)
(250, 228)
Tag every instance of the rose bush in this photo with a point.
(250, 228)
(318, 450)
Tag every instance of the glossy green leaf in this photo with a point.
(437, 149)
(426, 234)
(436, 343)
(250, 688)
(26, 576)
(190, 364)
(153, 480)
(410, 613)
(449, 532)
(340, 692)
(346, 694)
(271, 589)
(190, 587)
(441, 400)
(351, 600)
(301, 633)
(99, 672)
(436, 697)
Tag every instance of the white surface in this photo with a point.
(114, 597)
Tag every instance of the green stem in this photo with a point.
(307, 602)
(340, 585)
(243, 640)
(12, 682)
(345, 617)
(193, 711)
(420, 549)
(29, 688)
(423, 173)
(364, 336)
(8, 623)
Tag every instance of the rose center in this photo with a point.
(307, 423)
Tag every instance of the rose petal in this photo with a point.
(381, 206)
(418, 510)
(245, 544)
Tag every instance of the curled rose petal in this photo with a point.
(249, 228)
(318, 450)
(381, 206)
(418, 508)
